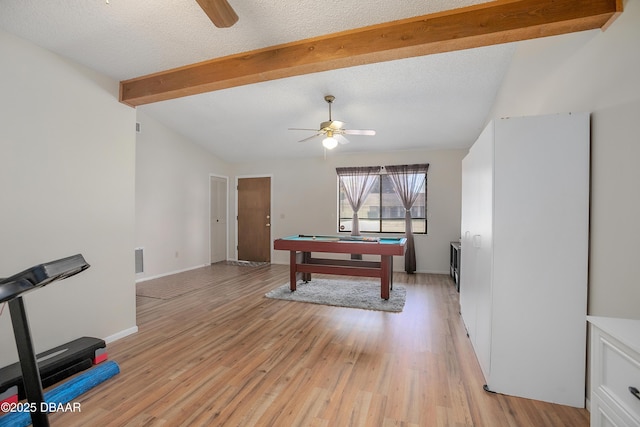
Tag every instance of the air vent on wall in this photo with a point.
(139, 260)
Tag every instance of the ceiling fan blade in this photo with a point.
(341, 139)
(220, 12)
(359, 132)
(314, 130)
(311, 137)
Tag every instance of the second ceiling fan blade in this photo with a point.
(220, 12)
(359, 132)
(311, 137)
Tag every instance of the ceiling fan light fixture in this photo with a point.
(333, 131)
(330, 143)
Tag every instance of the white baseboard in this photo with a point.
(144, 279)
(121, 334)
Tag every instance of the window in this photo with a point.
(382, 210)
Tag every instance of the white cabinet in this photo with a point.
(615, 372)
(523, 290)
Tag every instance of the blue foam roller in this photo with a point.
(66, 392)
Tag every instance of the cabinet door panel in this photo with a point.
(467, 265)
(475, 286)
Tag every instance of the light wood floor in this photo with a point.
(225, 355)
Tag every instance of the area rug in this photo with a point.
(343, 293)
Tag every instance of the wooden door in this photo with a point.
(218, 224)
(254, 219)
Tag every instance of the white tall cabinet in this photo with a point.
(523, 290)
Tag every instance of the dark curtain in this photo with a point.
(408, 181)
(357, 183)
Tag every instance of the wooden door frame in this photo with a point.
(239, 177)
(226, 250)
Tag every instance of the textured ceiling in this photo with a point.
(435, 101)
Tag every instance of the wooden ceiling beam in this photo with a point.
(485, 24)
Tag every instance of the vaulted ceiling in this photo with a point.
(425, 82)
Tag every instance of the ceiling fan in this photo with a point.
(220, 12)
(333, 131)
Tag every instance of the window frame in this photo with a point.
(381, 206)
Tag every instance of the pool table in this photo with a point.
(302, 263)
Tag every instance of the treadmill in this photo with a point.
(11, 290)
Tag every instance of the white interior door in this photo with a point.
(218, 209)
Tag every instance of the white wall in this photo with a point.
(304, 198)
(172, 199)
(596, 72)
(66, 187)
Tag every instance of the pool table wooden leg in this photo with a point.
(296, 258)
(293, 270)
(391, 272)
